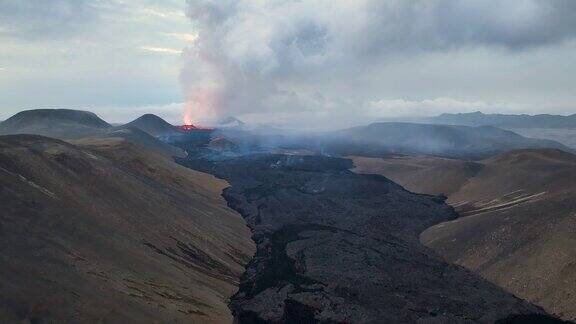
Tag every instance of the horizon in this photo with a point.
(304, 64)
(418, 120)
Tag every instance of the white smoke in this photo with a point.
(308, 56)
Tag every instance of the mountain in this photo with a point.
(58, 123)
(561, 135)
(154, 126)
(338, 247)
(519, 220)
(507, 121)
(110, 232)
(382, 139)
(74, 125)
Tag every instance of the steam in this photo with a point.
(312, 58)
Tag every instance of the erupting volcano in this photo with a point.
(187, 127)
(188, 124)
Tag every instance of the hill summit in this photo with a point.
(154, 125)
(60, 123)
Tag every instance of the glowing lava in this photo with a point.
(187, 127)
(188, 119)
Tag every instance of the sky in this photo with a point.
(314, 63)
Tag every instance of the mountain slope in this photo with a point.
(139, 137)
(154, 126)
(521, 216)
(421, 174)
(381, 139)
(58, 123)
(109, 232)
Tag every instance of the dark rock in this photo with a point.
(338, 247)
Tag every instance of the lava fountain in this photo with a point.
(201, 107)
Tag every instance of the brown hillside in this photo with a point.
(108, 232)
(521, 221)
(421, 174)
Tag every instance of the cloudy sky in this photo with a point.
(312, 62)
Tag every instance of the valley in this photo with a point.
(287, 162)
(517, 218)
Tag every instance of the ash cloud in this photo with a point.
(283, 57)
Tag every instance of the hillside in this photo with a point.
(384, 139)
(421, 174)
(520, 221)
(108, 232)
(143, 139)
(58, 123)
(154, 126)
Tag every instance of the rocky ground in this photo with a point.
(517, 224)
(338, 247)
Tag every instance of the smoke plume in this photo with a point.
(312, 58)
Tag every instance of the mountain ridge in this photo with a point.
(507, 120)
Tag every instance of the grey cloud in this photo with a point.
(46, 19)
(515, 24)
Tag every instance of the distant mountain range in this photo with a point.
(506, 121)
(381, 139)
(376, 139)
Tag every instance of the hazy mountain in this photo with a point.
(507, 121)
(58, 123)
(565, 136)
(521, 207)
(109, 232)
(154, 126)
(380, 139)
